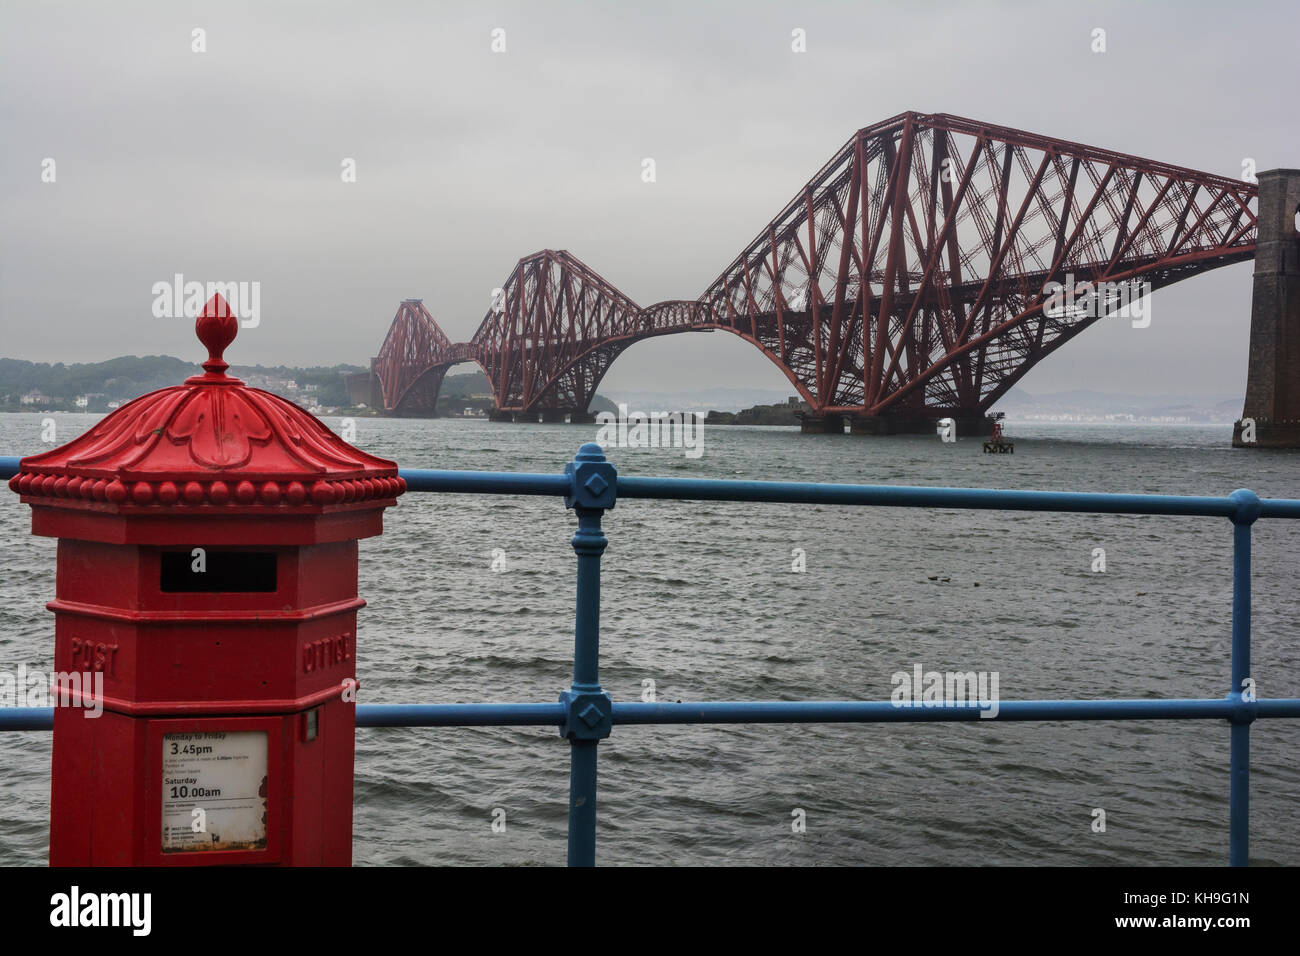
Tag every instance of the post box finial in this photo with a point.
(216, 328)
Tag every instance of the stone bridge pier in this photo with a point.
(1273, 378)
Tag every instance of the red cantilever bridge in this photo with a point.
(903, 283)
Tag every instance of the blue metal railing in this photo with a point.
(586, 714)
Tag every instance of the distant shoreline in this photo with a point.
(1010, 422)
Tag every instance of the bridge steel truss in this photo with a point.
(409, 365)
(909, 277)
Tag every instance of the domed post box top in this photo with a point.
(213, 449)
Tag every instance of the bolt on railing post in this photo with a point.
(1242, 691)
(588, 708)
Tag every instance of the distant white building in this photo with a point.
(83, 401)
(34, 397)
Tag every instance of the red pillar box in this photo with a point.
(207, 568)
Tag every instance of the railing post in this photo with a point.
(1242, 691)
(589, 709)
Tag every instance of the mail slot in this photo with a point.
(211, 570)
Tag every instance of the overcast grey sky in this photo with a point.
(226, 164)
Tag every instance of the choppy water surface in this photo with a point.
(700, 598)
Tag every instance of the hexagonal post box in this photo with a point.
(205, 624)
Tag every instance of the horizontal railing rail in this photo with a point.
(630, 713)
(585, 714)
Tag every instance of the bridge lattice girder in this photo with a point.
(549, 339)
(413, 360)
(908, 274)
